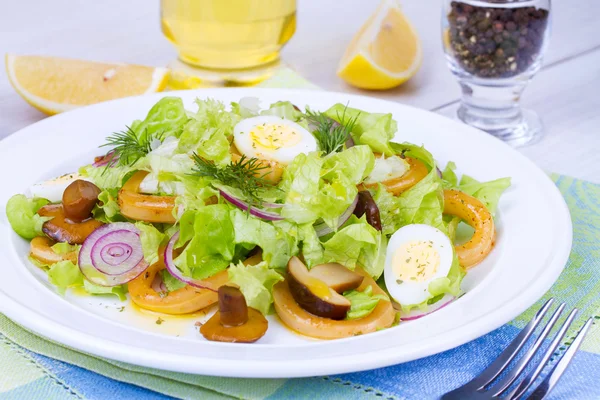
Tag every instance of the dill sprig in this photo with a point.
(244, 174)
(330, 134)
(128, 148)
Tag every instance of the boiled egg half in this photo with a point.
(53, 189)
(417, 255)
(272, 138)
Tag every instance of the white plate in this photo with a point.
(533, 244)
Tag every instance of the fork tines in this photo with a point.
(488, 385)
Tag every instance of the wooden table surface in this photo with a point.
(566, 93)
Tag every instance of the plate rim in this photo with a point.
(105, 348)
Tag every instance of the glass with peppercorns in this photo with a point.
(494, 47)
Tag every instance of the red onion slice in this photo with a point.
(349, 142)
(438, 305)
(173, 270)
(257, 212)
(273, 205)
(323, 229)
(108, 158)
(438, 171)
(112, 255)
(158, 285)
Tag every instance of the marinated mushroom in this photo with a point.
(313, 294)
(302, 321)
(336, 276)
(366, 205)
(62, 229)
(79, 199)
(235, 322)
(232, 305)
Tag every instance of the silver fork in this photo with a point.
(477, 389)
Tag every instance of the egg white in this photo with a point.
(53, 189)
(411, 292)
(244, 142)
(386, 168)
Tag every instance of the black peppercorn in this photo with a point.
(494, 42)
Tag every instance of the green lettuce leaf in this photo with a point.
(23, 217)
(357, 243)
(207, 132)
(63, 275)
(487, 192)
(388, 210)
(300, 181)
(373, 129)
(120, 291)
(424, 202)
(195, 195)
(277, 246)
(449, 176)
(451, 226)
(38, 263)
(174, 163)
(362, 303)
(284, 109)
(256, 283)
(186, 228)
(356, 163)
(151, 239)
(64, 248)
(213, 245)
(208, 142)
(170, 281)
(107, 178)
(245, 111)
(309, 198)
(311, 247)
(166, 118)
(108, 209)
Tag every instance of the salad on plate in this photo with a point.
(316, 216)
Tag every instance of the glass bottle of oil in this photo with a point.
(228, 35)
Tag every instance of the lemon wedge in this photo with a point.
(385, 52)
(53, 85)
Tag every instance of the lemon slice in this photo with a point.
(385, 52)
(53, 85)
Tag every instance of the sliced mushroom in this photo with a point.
(62, 229)
(337, 277)
(313, 294)
(234, 322)
(301, 321)
(366, 205)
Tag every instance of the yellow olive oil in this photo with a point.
(228, 34)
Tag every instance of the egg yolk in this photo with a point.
(274, 136)
(415, 261)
